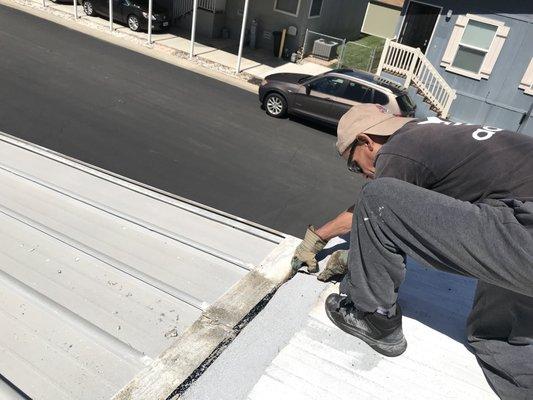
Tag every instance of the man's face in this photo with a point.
(365, 159)
(361, 154)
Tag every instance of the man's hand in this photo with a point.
(305, 253)
(337, 266)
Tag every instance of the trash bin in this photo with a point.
(277, 42)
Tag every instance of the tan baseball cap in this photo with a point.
(372, 119)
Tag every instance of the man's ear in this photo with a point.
(367, 140)
(374, 139)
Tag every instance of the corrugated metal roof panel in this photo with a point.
(99, 275)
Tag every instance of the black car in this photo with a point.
(134, 13)
(326, 97)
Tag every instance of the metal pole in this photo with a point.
(44, 4)
(383, 56)
(243, 31)
(193, 28)
(111, 15)
(150, 5)
(340, 60)
(372, 57)
(75, 9)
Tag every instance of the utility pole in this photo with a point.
(193, 28)
(243, 32)
(110, 15)
(150, 10)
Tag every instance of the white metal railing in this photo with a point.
(183, 7)
(412, 64)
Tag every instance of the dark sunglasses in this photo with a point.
(352, 164)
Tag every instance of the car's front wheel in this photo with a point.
(275, 105)
(134, 23)
(88, 8)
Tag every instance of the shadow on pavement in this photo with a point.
(310, 123)
(331, 130)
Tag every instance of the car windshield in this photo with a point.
(405, 103)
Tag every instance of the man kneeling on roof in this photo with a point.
(452, 196)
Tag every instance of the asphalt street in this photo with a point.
(167, 127)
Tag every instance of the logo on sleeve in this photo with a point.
(482, 133)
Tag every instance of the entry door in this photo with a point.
(418, 25)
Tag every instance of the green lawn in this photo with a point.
(358, 53)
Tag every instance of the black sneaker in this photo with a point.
(380, 332)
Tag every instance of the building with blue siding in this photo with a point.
(483, 49)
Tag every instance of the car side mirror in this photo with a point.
(307, 89)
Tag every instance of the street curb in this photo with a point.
(157, 51)
(182, 363)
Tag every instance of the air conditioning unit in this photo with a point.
(325, 49)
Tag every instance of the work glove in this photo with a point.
(336, 266)
(306, 251)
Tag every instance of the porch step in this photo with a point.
(424, 108)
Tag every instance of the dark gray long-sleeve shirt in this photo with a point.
(467, 162)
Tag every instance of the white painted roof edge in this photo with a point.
(222, 217)
(8, 392)
(185, 360)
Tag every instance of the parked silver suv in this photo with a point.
(328, 96)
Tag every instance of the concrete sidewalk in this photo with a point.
(215, 54)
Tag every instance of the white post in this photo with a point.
(383, 56)
(111, 15)
(193, 28)
(413, 61)
(44, 4)
(150, 5)
(243, 31)
(449, 99)
(75, 9)
(341, 55)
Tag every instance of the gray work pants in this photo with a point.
(490, 241)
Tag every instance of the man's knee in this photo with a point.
(382, 191)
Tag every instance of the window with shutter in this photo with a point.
(474, 46)
(290, 7)
(315, 9)
(527, 80)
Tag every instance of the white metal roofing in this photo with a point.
(98, 275)
(321, 362)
